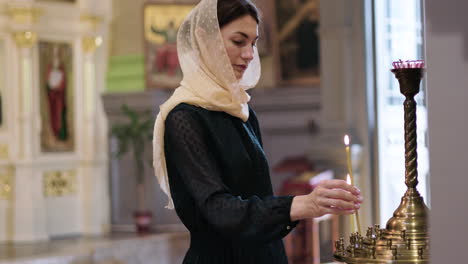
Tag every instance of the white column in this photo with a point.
(343, 89)
(333, 55)
(25, 41)
(94, 184)
(29, 216)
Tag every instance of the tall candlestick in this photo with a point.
(350, 180)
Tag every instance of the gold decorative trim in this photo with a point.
(4, 151)
(25, 39)
(92, 20)
(59, 183)
(24, 14)
(6, 186)
(90, 44)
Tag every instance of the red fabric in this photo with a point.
(295, 165)
(167, 59)
(293, 187)
(56, 99)
(299, 243)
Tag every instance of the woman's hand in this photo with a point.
(329, 197)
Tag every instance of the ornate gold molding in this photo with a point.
(92, 20)
(59, 183)
(25, 39)
(24, 14)
(6, 186)
(4, 151)
(90, 43)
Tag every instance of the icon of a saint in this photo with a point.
(56, 85)
(166, 54)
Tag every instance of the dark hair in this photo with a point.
(230, 10)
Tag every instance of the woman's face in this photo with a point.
(240, 36)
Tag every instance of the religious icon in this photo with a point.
(166, 55)
(298, 41)
(161, 23)
(56, 84)
(56, 96)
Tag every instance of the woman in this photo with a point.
(210, 161)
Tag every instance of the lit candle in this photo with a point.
(353, 217)
(348, 159)
(350, 180)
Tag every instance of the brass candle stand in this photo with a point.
(405, 238)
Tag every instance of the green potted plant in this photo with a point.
(133, 136)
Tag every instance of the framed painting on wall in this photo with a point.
(161, 22)
(56, 96)
(297, 40)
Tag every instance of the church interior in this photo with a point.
(81, 80)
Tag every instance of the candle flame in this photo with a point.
(346, 140)
(348, 179)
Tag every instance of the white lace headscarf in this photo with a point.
(209, 80)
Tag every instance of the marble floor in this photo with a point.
(116, 248)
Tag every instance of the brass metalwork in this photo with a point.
(92, 20)
(4, 151)
(59, 183)
(90, 43)
(25, 39)
(405, 238)
(24, 14)
(6, 186)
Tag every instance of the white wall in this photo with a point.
(447, 78)
(344, 95)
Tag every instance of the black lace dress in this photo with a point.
(220, 184)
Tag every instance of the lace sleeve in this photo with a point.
(254, 219)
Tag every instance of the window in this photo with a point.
(398, 35)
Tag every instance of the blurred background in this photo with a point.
(81, 82)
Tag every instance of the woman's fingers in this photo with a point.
(333, 197)
(339, 204)
(337, 211)
(340, 184)
(342, 195)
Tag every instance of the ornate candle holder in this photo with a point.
(405, 238)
